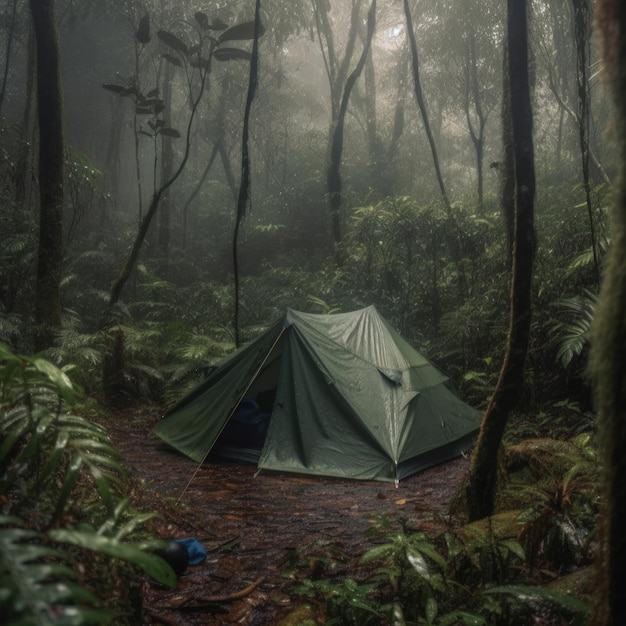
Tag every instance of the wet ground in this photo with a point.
(265, 533)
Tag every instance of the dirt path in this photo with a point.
(264, 533)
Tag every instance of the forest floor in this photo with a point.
(265, 533)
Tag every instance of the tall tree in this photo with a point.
(8, 49)
(333, 174)
(51, 157)
(336, 68)
(565, 50)
(167, 167)
(244, 185)
(609, 346)
(337, 73)
(476, 119)
(482, 481)
(196, 57)
(582, 37)
(421, 101)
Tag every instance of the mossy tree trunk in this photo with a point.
(482, 483)
(609, 347)
(51, 157)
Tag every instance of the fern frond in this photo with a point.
(37, 587)
(137, 553)
(572, 337)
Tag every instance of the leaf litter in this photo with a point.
(265, 532)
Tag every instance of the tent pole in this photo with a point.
(241, 397)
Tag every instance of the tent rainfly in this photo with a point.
(339, 395)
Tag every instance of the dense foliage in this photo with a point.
(66, 524)
(154, 99)
(440, 276)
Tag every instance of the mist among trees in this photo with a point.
(174, 175)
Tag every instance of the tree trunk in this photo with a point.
(333, 175)
(7, 52)
(51, 157)
(377, 161)
(582, 37)
(144, 225)
(482, 481)
(419, 95)
(477, 128)
(336, 72)
(167, 167)
(244, 186)
(609, 346)
(507, 170)
(24, 168)
(195, 192)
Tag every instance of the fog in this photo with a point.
(392, 240)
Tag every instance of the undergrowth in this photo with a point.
(501, 571)
(71, 544)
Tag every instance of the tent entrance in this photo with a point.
(243, 436)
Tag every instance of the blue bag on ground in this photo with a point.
(195, 550)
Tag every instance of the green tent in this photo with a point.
(332, 395)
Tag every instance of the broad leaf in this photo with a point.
(170, 132)
(173, 41)
(152, 102)
(245, 30)
(63, 385)
(419, 564)
(118, 89)
(40, 589)
(200, 63)
(229, 54)
(152, 564)
(202, 19)
(143, 32)
(431, 610)
(514, 546)
(218, 24)
(172, 59)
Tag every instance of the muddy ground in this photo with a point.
(265, 533)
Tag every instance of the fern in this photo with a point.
(54, 468)
(36, 586)
(572, 337)
(44, 446)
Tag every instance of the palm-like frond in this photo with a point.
(9, 327)
(586, 258)
(572, 336)
(36, 586)
(51, 463)
(44, 446)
